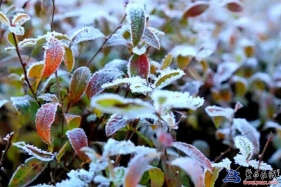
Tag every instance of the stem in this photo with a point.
(173, 169)
(6, 149)
(24, 70)
(53, 15)
(106, 39)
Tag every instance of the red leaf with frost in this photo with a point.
(139, 66)
(44, 119)
(115, 123)
(78, 139)
(195, 154)
(52, 57)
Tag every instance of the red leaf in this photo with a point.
(191, 168)
(78, 139)
(195, 154)
(99, 78)
(52, 57)
(44, 119)
(139, 66)
(195, 9)
(234, 6)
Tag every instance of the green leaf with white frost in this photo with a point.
(112, 103)
(170, 99)
(136, 17)
(166, 61)
(244, 145)
(167, 76)
(86, 34)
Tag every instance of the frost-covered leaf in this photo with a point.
(225, 163)
(3, 102)
(194, 153)
(196, 173)
(118, 64)
(214, 111)
(166, 61)
(112, 103)
(137, 167)
(169, 118)
(238, 105)
(62, 151)
(4, 19)
(20, 19)
(35, 152)
(17, 30)
(170, 99)
(151, 39)
(248, 131)
(167, 76)
(79, 177)
(114, 123)
(234, 5)
(225, 71)
(78, 83)
(101, 78)
(113, 147)
(119, 175)
(244, 145)
(35, 70)
(156, 176)
(195, 9)
(68, 59)
(44, 119)
(139, 66)
(22, 102)
(137, 84)
(241, 160)
(262, 166)
(78, 139)
(116, 39)
(136, 16)
(27, 42)
(139, 50)
(27, 172)
(86, 34)
(48, 97)
(52, 57)
(72, 121)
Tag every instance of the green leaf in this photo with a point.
(156, 176)
(79, 83)
(167, 77)
(27, 172)
(139, 66)
(166, 61)
(68, 59)
(72, 121)
(62, 151)
(137, 20)
(11, 39)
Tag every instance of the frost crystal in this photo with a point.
(170, 99)
(245, 145)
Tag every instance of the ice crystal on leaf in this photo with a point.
(114, 123)
(34, 151)
(225, 163)
(167, 76)
(244, 145)
(170, 99)
(20, 19)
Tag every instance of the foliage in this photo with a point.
(112, 94)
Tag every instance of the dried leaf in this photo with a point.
(196, 173)
(151, 39)
(52, 57)
(72, 121)
(114, 123)
(138, 66)
(78, 139)
(136, 16)
(137, 167)
(195, 9)
(195, 154)
(100, 78)
(167, 76)
(44, 119)
(68, 59)
(114, 104)
(4, 19)
(20, 19)
(166, 61)
(78, 83)
(27, 172)
(35, 152)
(86, 34)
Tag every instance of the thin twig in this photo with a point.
(173, 169)
(53, 15)
(106, 39)
(9, 139)
(24, 70)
